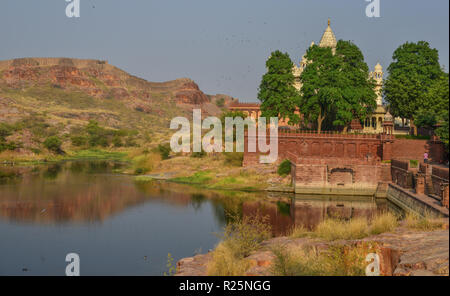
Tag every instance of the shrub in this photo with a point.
(5, 130)
(97, 136)
(414, 163)
(78, 141)
(284, 168)
(145, 163)
(9, 145)
(53, 143)
(244, 235)
(117, 141)
(164, 150)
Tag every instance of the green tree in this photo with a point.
(277, 93)
(53, 143)
(435, 104)
(357, 97)
(320, 85)
(435, 109)
(414, 70)
(442, 131)
(97, 136)
(164, 150)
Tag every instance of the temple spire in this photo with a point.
(328, 38)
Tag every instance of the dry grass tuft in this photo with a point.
(239, 240)
(385, 222)
(427, 223)
(331, 229)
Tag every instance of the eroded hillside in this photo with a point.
(59, 95)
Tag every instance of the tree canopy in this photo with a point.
(277, 93)
(413, 72)
(358, 98)
(434, 110)
(336, 86)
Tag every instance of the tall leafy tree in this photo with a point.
(357, 96)
(442, 131)
(320, 85)
(277, 93)
(435, 108)
(412, 73)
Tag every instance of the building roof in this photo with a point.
(244, 105)
(328, 38)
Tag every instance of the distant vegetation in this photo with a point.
(53, 143)
(93, 135)
(5, 131)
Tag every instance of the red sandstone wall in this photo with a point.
(320, 172)
(439, 182)
(414, 149)
(409, 149)
(326, 145)
(401, 174)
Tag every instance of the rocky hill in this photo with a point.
(66, 93)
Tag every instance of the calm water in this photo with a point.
(120, 227)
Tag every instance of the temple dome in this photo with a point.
(328, 38)
(388, 117)
(378, 68)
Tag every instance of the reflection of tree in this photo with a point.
(78, 193)
(197, 200)
(52, 171)
(83, 191)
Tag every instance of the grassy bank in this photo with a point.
(340, 256)
(88, 154)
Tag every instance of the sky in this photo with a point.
(221, 45)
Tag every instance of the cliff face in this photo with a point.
(98, 79)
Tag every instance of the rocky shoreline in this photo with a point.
(403, 252)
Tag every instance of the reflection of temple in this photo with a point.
(309, 211)
(371, 124)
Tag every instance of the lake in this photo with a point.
(122, 227)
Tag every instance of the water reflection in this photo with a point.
(90, 192)
(308, 211)
(87, 207)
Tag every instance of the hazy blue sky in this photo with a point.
(222, 45)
